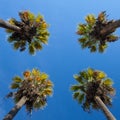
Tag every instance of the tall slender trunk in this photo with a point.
(104, 108)
(110, 27)
(7, 25)
(15, 109)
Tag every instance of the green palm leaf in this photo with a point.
(14, 85)
(78, 78)
(108, 82)
(81, 98)
(17, 79)
(77, 87)
(31, 49)
(75, 95)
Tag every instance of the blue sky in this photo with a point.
(61, 58)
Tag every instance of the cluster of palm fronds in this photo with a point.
(33, 32)
(35, 86)
(91, 36)
(92, 83)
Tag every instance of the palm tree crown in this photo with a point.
(35, 86)
(91, 33)
(33, 32)
(92, 83)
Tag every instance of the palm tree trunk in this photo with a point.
(104, 108)
(7, 25)
(110, 27)
(15, 109)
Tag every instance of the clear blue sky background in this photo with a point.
(61, 58)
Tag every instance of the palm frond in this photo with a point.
(77, 87)
(78, 78)
(14, 85)
(17, 79)
(31, 49)
(108, 82)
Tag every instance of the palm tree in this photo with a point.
(31, 90)
(30, 31)
(94, 90)
(97, 32)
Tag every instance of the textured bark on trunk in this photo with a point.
(7, 25)
(104, 108)
(15, 109)
(110, 28)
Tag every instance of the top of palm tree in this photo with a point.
(91, 35)
(33, 32)
(35, 86)
(92, 83)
